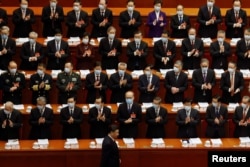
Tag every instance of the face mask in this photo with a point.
(53, 4)
(12, 71)
(76, 8)
(230, 70)
(24, 6)
(121, 72)
(148, 73)
(155, 106)
(6, 112)
(243, 105)
(111, 36)
(101, 7)
(187, 108)
(164, 40)
(180, 13)
(58, 38)
(137, 40)
(85, 41)
(176, 70)
(97, 72)
(204, 69)
(130, 9)
(210, 4)
(220, 40)
(32, 41)
(236, 8)
(4, 36)
(71, 105)
(129, 100)
(191, 37)
(40, 72)
(98, 106)
(215, 104)
(39, 107)
(67, 70)
(247, 37)
(157, 8)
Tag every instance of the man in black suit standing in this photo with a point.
(119, 83)
(192, 50)
(3, 18)
(71, 118)
(41, 119)
(129, 20)
(176, 82)
(235, 20)
(99, 119)
(203, 80)
(180, 23)
(7, 48)
(209, 16)
(216, 117)
(77, 20)
(149, 85)
(164, 52)
(137, 51)
(102, 19)
(129, 115)
(232, 83)
(220, 50)
(96, 84)
(52, 18)
(156, 118)
(31, 53)
(110, 49)
(187, 120)
(58, 52)
(23, 18)
(110, 151)
(243, 51)
(241, 118)
(10, 122)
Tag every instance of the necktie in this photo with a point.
(157, 112)
(176, 76)
(57, 47)
(102, 13)
(137, 45)
(110, 43)
(97, 78)
(131, 15)
(204, 77)
(180, 19)
(236, 16)
(244, 113)
(71, 112)
(192, 43)
(23, 13)
(217, 112)
(32, 49)
(77, 16)
(247, 44)
(129, 108)
(210, 11)
(232, 84)
(41, 112)
(4, 43)
(188, 113)
(148, 78)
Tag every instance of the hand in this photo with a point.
(102, 118)
(196, 54)
(27, 18)
(128, 121)
(12, 89)
(237, 91)
(154, 22)
(42, 85)
(192, 51)
(88, 52)
(174, 90)
(71, 120)
(4, 123)
(56, 15)
(62, 52)
(162, 24)
(204, 86)
(187, 120)
(158, 119)
(41, 120)
(216, 121)
(11, 124)
(169, 53)
(209, 86)
(4, 51)
(150, 88)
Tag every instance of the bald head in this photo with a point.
(129, 94)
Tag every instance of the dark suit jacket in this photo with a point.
(219, 60)
(118, 92)
(191, 62)
(3, 15)
(71, 20)
(175, 23)
(145, 95)
(201, 95)
(156, 30)
(208, 31)
(71, 130)
(110, 153)
(86, 62)
(136, 62)
(160, 52)
(26, 54)
(225, 84)
(22, 27)
(10, 132)
(110, 62)
(128, 130)
(96, 19)
(127, 31)
(10, 46)
(241, 131)
(98, 128)
(242, 61)
(156, 129)
(54, 62)
(230, 20)
(40, 131)
(211, 126)
(94, 92)
(50, 25)
(181, 83)
(187, 130)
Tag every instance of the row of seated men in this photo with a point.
(208, 17)
(129, 116)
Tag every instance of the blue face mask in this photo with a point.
(97, 72)
(4, 36)
(129, 100)
(121, 72)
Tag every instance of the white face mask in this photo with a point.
(180, 13)
(187, 108)
(191, 37)
(247, 37)
(67, 70)
(76, 8)
(85, 41)
(32, 41)
(58, 38)
(176, 70)
(137, 40)
(52, 4)
(148, 73)
(215, 104)
(236, 8)
(101, 7)
(210, 4)
(130, 9)
(24, 6)
(6, 112)
(243, 105)
(204, 69)
(220, 40)
(71, 105)
(157, 8)
(13, 70)
(40, 72)
(231, 70)
(111, 36)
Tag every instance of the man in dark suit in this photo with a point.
(96, 84)
(3, 18)
(71, 118)
(243, 51)
(164, 52)
(52, 18)
(10, 122)
(180, 23)
(102, 19)
(23, 18)
(203, 81)
(119, 83)
(241, 118)
(129, 115)
(216, 117)
(13, 83)
(220, 50)
(156, 118)
(209, 16)
(41, 119)
(77, 20)
(110, 151)
(110, 49)
(99, 119)
(7, 48)
(176, 82)
(149, 85)
(40, 83)
(232, 83)
(129, 20)
(187, 120)
(58, 52)
(31, 53)
(137, 51)
(235, 20)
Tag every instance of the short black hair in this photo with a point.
(25, 0)
(72, 97)
(86, 34)
(157, 98)
(98, 63)
(187, 100)
(41, 65)
(99, 97)
(158, 1)
(217, 97)
(78, 1)
(165, 31)
(113, 128)
(149, 65)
